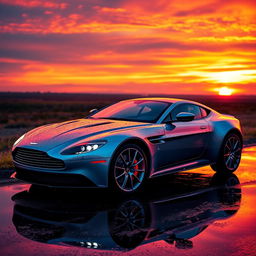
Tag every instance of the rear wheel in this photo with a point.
(128, 169)
(230, 154)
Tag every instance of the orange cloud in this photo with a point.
(36, 3)
(167, 46)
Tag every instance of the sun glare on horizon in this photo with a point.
(225, 91)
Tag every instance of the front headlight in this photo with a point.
(83, 148)
(19, 139)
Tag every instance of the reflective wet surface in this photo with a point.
(191, 213)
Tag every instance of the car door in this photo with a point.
(183, 141)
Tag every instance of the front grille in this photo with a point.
(36, 158)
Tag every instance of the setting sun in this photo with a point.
(225, 91)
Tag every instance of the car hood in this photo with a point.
(49, 136)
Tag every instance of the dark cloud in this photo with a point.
(51, 47)
(6, 67)
(75, 48)
(196, 11)
(10, 12)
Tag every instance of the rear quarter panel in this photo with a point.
(221, 125)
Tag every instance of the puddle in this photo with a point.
(189, 213)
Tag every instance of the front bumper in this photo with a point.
(53, 179)
(77, 174)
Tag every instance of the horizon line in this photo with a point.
(121, 93)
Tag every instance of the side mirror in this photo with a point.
(185, 117)
(93, 111)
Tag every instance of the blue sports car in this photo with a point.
(123, 145)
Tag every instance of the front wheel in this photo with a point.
(230, 154)
(129, 223)
(128, 169)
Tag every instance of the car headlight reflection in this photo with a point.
(19, 140)
(83, 148)
(89, 244)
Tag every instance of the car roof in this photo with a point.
(171, 100)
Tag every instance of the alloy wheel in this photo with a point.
(232, 152)
(129, 169)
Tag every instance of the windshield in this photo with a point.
(134, 110)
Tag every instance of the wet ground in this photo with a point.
(189, 213)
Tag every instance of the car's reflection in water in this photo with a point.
(173, 210)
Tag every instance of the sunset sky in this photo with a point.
(128, 46)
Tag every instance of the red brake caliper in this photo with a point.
(136, 167)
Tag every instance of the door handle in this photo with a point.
(203, 127)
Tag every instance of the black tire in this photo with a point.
(228, 192)
(129, 223)
(39, 189)
(128, 169)
(230, 154)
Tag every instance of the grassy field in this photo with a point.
(21, 112)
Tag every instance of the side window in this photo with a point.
(195, 110)
(191, 108)
(177, 110)
(204, 112)
(172, 116)
(199, 112)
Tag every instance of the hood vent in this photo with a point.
(82, 127)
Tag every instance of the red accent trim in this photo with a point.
(13, 175)
(81, 144)
(98, 162)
